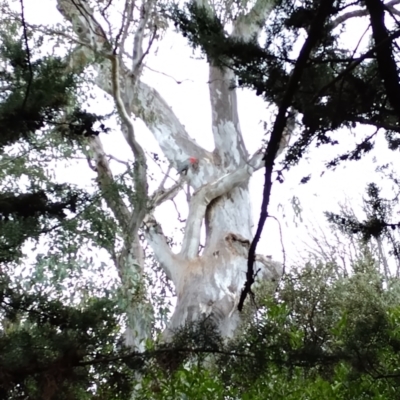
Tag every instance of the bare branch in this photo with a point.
(359, 13)
(127, 18)
(140, 166)
(103, 13)
(137, 53)
(107, 184)
(162, 195)
(169, 76)
(111, 157)
(158, 242)
(166, 175)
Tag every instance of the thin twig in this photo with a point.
(169, 76)
(124, 29)
(282, 245)
(111, 157)
(166, 176)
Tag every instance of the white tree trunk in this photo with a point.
(208, 284)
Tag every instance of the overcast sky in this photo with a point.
(190, 101)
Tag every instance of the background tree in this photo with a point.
(55, 325)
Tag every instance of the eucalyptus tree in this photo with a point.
(323, 89)
(208, 282)
(317, 85)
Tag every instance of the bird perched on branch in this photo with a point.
(183, 166)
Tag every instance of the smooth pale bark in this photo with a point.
(207, 284)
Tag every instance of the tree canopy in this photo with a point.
(323, 330)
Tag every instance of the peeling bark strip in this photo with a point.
(384, 52)
(277, 133)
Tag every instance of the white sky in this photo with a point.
(190, 102)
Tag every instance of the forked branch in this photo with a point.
(199, 202)
(137, 53)
(107, 184)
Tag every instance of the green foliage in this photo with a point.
(322, 335)
(338, 89)
(60, 327)
(35, 90)
(50, 350)
(380, 223)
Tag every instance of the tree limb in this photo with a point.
(277, 134)
(384, 53)
(249, 25)
(107, 184)
(229, 144)
(161, 195)
(137, 53)
(377, 124)
(358, 13)
(199, 202)
(154, 234)
(162, 251)
(140, 166)
(170, 134)
(127, 18)
(144, 101)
